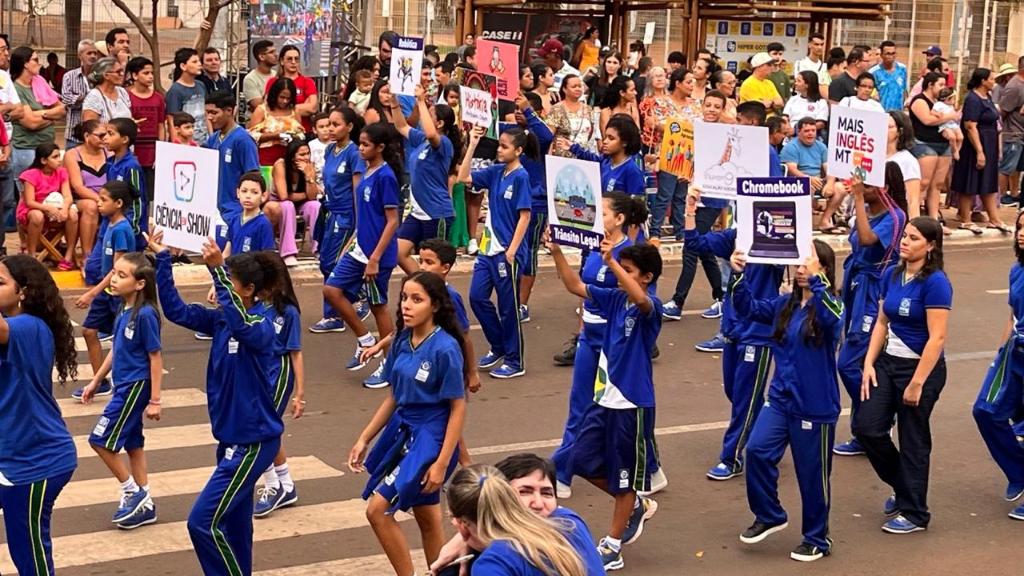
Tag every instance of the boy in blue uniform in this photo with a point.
(103, 305)
(123, 166)
(237, 149)
(616, 438)
(241, 406)
(250, 231)
(503, 252)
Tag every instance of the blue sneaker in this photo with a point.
(506, 371)
(1014, 491)
(203, 337)
(376, 380)
(363, 311)
(267, 500)
(671, 311)
(130, 504)
(714, 311)
(105, 389)
(849, 448)
(723, 472)
(328, 325)
(714, 345)
(610, 557)
(104, 337)
(524, 313)
(1008, 200)
(355, 362)
(1017, 513)
(890, 508)
(490, 360)
(900, 525)
(642, 513)
(145, 515)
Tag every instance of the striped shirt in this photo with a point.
(72, 93)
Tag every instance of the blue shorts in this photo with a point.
(121, 423)
(1013, 158)
(103, 312)
(332, 242)
(534, 238)
(347, 276)
(926, 149)
(415, 230)
(616, 445)
(284, 384)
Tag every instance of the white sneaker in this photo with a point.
(658, 482)
(563, 491)
(473, 247)
(291, 261)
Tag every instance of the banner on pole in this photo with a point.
(773, 219)
(574, 202)
(182, 208)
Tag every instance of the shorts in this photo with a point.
(478, 164)
(415, 230)
(926, 149)
(103, 312)
(347, 276)
(616, 445)
(534, 238)
(284, 384)
(121, 423)
(1013, 158)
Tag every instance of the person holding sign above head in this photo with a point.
(758, 87)
(503, 250)
(803, 400)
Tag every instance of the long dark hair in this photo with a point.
(811, 331)
(145, 271)
(42, 300)
(453, 131)
(613, 96)
(278, 288)
(279, 85)
(603, 79)
(382, 133)
(632, 208)
(813, 87)
(375, 102)
(20, 56)
(352, 118)
(931, 229)
(293, 177)
(896, 186)
(977, 77)
(249, 271)
(444, 309)
(182, 56)
(43, 151)
(904, 130)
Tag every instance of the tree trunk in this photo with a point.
(206, 32)
(150, 37)
(72, 32)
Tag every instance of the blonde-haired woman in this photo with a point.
(516, 542)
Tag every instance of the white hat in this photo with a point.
(760, 59)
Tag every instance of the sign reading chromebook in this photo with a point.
(185, 198)
(773, 219)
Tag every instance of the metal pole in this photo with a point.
(984, 32)
(405, 19)
(961, 42)
(885, 28)
(668, 32)
(370, 7)
(913, 30)
(995, 26)
(92, 11)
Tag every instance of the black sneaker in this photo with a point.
(759, 531)
(808, 553)
(655, 352)
(567, 356)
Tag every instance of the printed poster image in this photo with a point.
(723, 153)
(501, 60)
(773, 220)
(306, 24)
(735, 42)
(574, 202)
(406, 61)
(185, 199)
(856, 144)
(478, 100)
(677, 148)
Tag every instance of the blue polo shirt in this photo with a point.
(625, 378)
(238, 155)
(340, 166)
(128, 170)
(136, 336)
(428, 374)
(377, 192)
(252, 235)
(808, 159)
(118, 238)
(429, 169)
(460, 308)
(906, 304)
(507, 195)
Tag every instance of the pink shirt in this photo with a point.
(43, 184)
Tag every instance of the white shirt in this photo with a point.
(908, 164)
(871, 105)
(820, 68)
(8, 95)
(562, 72)
(798, 107)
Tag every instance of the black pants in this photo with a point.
(706, 218)
(905, 469)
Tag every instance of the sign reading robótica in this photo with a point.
(574, 202)
(773, 219)
(857, 144)
(406, 61)
(185, 197)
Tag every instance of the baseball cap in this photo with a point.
(933, 51)
(760, 59)
(550, 46)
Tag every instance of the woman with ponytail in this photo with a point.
(514, 540)
(874, 245)
(419, 423)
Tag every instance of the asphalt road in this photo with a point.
(697, 526)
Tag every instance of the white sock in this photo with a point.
(129, 486)
(613, 543)
(285, 477)
(145, 488)
(367, 340)
(270, 478)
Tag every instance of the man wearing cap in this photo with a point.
(890, 78)
(937, 65)
(846, 83)
(783, 82)
(758, 87)
(1011, 106)
(552, 52)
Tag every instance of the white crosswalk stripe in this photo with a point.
(80, 344)
(166, 438)
(179, 398)
(376, 564)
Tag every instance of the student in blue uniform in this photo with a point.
(431, 151)
(243, 417)
(366, 267)
(503, 251)
(619, 212)
(881, 214)
(533, 161)
(118, 239)
(137, 367)
(123, 166)
(238, 152)
(419, 424)
(37, 454)
(288, 374)
(250, 230)
(343, 168)
(515, 541)
(803, 401)
(904, 373)
(747, 352)
(619, 145)
(615, 443)
(1000, 398)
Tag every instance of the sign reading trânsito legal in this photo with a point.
(773, 219)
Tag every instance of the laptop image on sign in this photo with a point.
(774, 230)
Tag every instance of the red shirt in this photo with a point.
(304, 88)
(151, 108)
